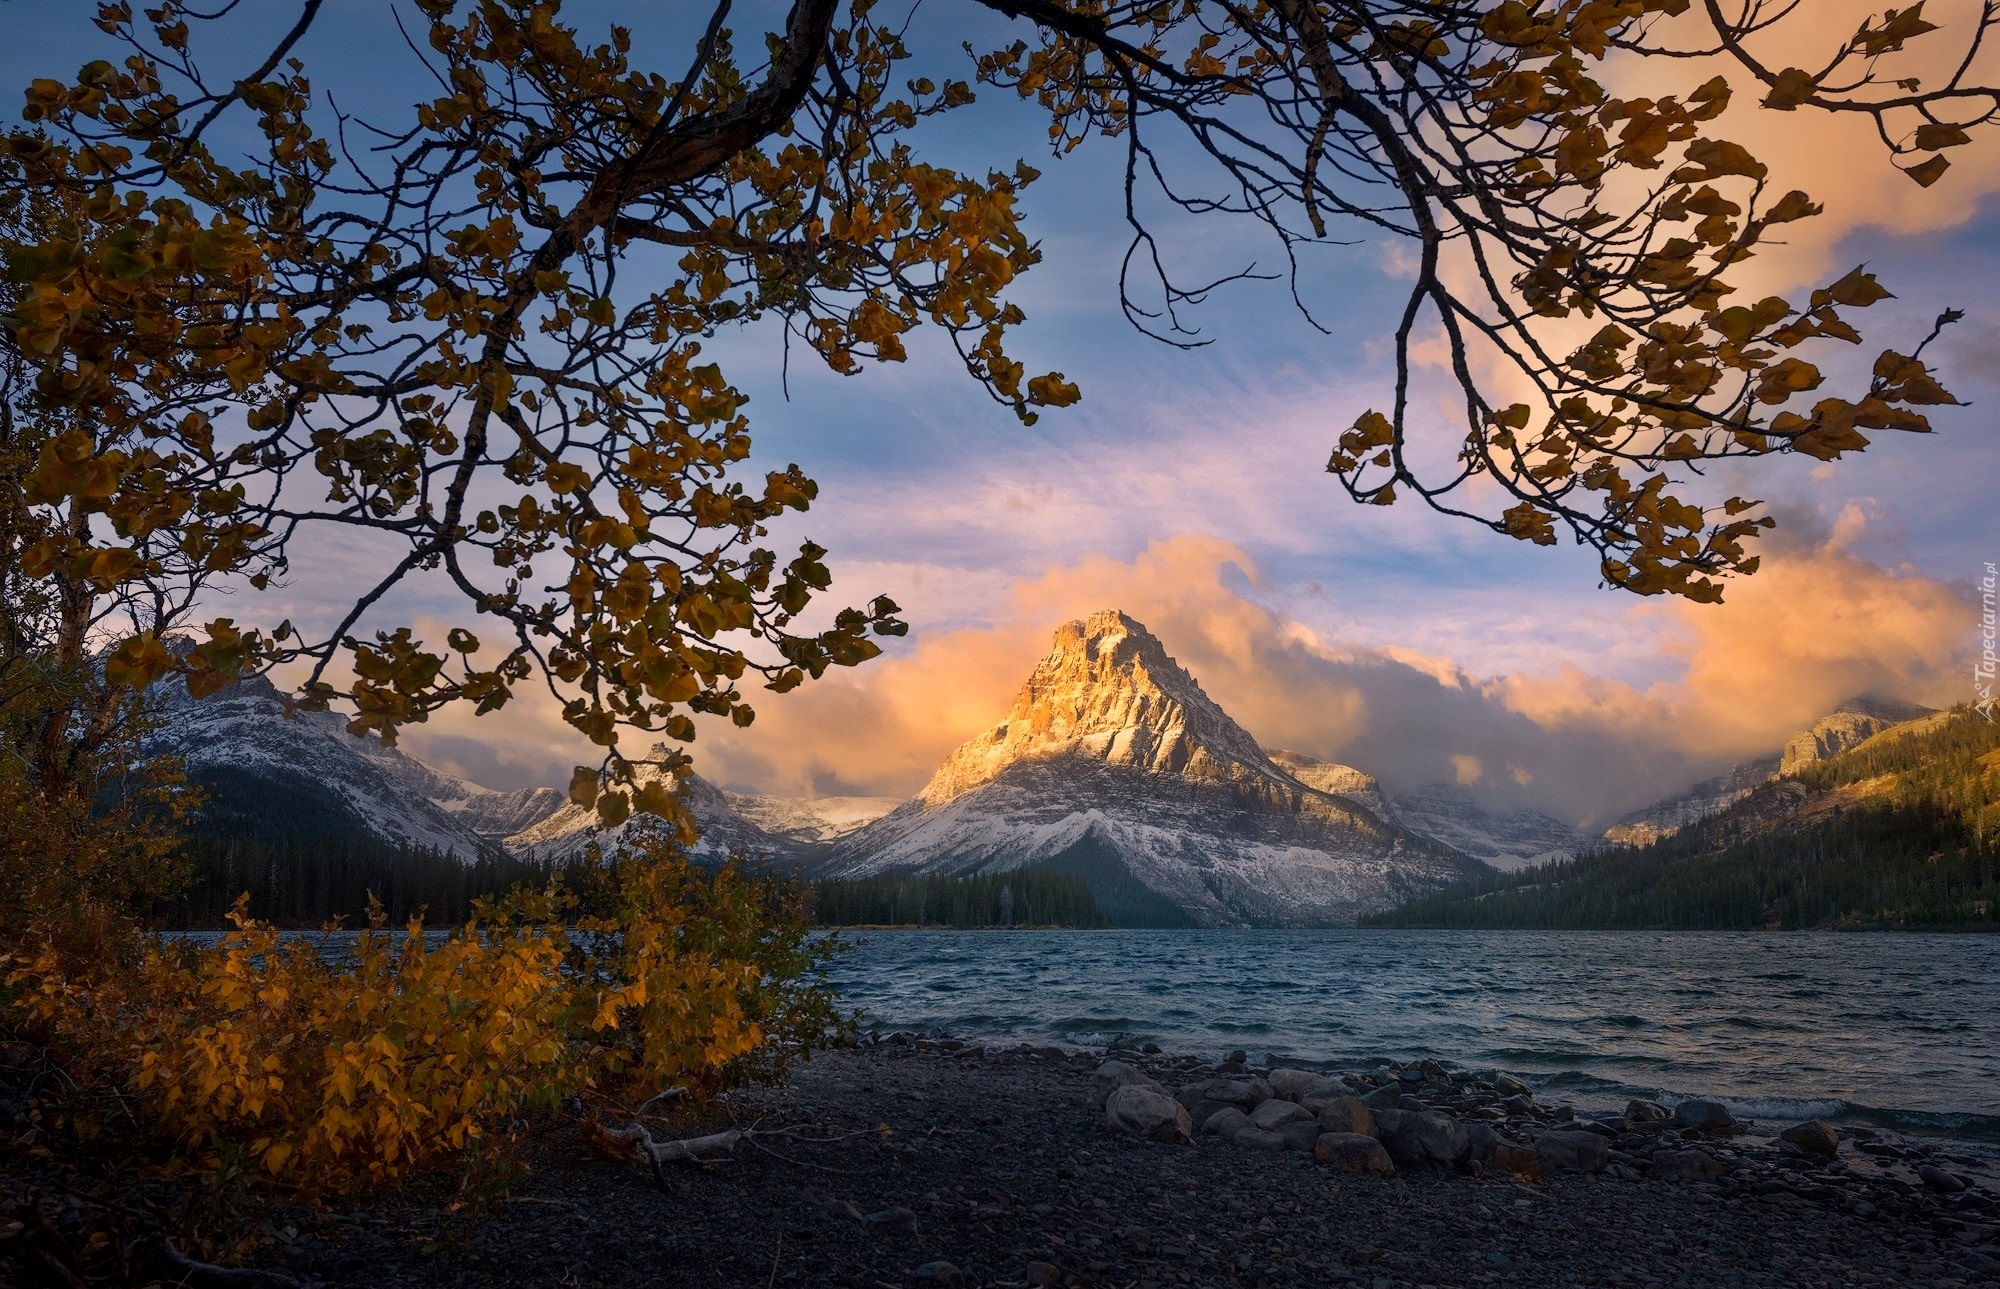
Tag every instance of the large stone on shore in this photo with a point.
(1301, 1137)
(1225, 1123)
(1297, 1085)
(1939, 1180)
(1113, 1075)
(1480, 1140)
(1383, 1098)
(1697, 1114)
(1255, 1138)
(1343, 1114)
(1506, 1084)
(1352, 1152)
(1275, 1114)
(1814, 1136)
(1246, 1092)
(1148, 1113)
(1687, 1165)
(1419, 1137)
(1571, 1151)
(1646, 1112)
(1202, 1111)
(1521, 1161)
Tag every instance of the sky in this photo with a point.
(1188, 488)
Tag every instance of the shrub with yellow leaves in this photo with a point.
(331, 1064)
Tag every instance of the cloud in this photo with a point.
(1819, 624)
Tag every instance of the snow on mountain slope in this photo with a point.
(810, 819)
(266, 771)
(1447, 815)
(570, 830)
(496, 816)
(1357, 786)
(1113, 764)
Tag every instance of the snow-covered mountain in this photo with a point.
(1844, 727)
(570, 830)
(1450, 816)
(1113, 764)
(1446, 815)
(805, 820)
(265, 772)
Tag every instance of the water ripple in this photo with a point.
(1902, 1027)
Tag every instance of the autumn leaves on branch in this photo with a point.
(469, 334)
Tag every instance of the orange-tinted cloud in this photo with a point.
(1818, 625)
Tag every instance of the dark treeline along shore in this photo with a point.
(306, 878)
(1022, 898)
(1900, 832)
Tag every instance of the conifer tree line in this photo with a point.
(309, 879)
(1022, 898)
(1922, 852)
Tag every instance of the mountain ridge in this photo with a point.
(1114, 763)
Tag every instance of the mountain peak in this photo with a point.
(1107, 691)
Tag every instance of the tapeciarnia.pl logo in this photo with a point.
(1989, 647)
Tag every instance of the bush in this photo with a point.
(331, 1069)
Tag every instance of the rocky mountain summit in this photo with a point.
(1113, 764)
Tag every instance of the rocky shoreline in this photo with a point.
(918, 1161)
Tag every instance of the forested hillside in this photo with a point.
(1023, 897)
(1898, 832)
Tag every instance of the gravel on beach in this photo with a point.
(913, 1163)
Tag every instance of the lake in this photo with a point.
(1899, 1031)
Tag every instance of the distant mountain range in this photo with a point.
(1843, 728)
(1112, 764)
(1892, 829)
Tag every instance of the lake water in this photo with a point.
(1901, 1031)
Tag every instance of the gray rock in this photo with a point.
(1202, 1111)
(1298, 1085)
(1576, 1152)
(1383, 1098)
(1225, 1123)
(1040, 1274)
(1687, 1165)
(1301, 1136)
(1423, 1137)
(1520, 1161)
(1351, 1152)
(897, 1219)
(1507, 1085)
(1647, 1112)
(1247, 1092)
(1480, 1140)
(1343, 1114)
(1276, 1114)
(1815, 1137)
(1701, 1115)
(1113, 1075)
(1939, 1180)
(1148, 1113)
(1255, 1138)
(941, 1273)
